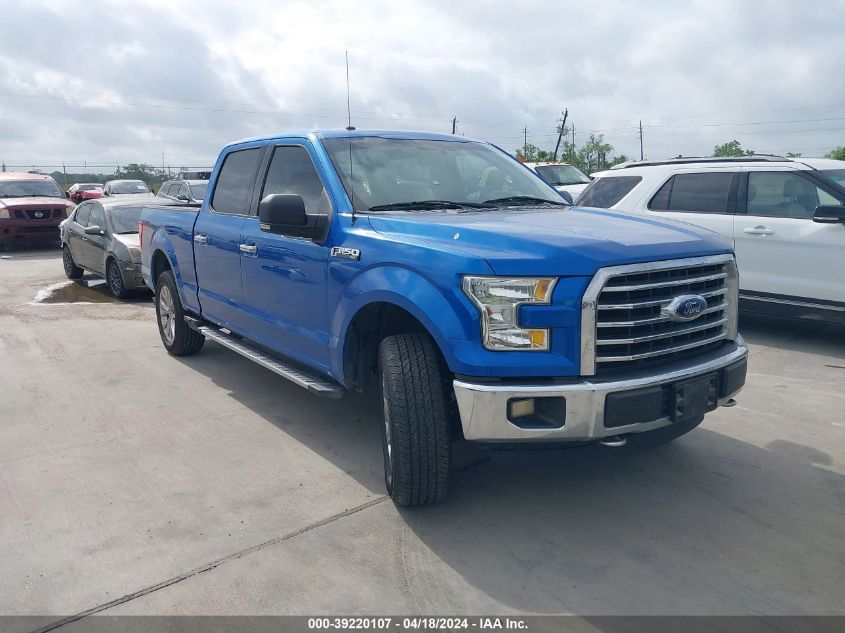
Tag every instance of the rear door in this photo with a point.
(704, 198)
(217, 239)
(284, 277)
(780, 251)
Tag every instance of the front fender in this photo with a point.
(444, 314)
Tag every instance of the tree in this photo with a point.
(731, 148)
(533, 154)
(793, 154)
(593, 156)
(838, 153)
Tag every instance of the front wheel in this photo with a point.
(177, 337)
(114, 280)
(415, 420)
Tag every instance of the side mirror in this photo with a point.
(183, 198)
(67, 195)
(829, 214)
(94, 230)
(284, 214)
(567, 197)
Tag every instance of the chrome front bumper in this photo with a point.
(483, 406)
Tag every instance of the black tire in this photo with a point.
(71, 269)
(114, 280)
(415, 420)
(178, 339)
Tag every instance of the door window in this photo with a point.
(784, 194)
(97, 218)
(235, 182)
(292, 171)
(82, 213)
(694, 193)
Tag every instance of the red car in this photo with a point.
(84, 191)
(31, 208)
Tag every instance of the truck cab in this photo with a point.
(442, 273)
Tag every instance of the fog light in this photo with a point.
(521, 408)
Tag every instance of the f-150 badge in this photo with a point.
(346, 253)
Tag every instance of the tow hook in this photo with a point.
(614, 441)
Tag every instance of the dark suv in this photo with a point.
(31, 208)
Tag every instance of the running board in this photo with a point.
(314, 383)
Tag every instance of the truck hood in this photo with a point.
(35, 202)
(571, 241)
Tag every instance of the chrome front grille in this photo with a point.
(623, 323)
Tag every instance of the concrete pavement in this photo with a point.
(134, 482)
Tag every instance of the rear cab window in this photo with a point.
(606, 191)
(233, 190)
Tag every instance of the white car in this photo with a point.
(562, 176)
(785, 218)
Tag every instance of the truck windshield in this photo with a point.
(198, 191)
(411, 174)
(561, 175)
(129, 186)
(29, 189)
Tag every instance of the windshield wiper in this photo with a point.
(427, 204)
(128, 232)
(526, 200)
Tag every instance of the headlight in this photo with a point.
(498, 300)
(4, 214)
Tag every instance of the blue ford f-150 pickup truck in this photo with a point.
(458, 283)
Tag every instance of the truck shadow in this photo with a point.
(708, 524)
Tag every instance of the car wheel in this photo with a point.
(177, 337)
(71, 269)
(114, 280)
(415, 420)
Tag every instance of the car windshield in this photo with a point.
(835, 175)
(29, 188)
(407, 174)
(129, 186)
(125, 219)
(561, 175)
(198, 191)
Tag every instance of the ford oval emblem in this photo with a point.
(685, 308)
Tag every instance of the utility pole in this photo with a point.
(560, 133)
(64, 171)
(454, 125)
(641, 140)
(3, 167)
(525, 142)
(573, 143)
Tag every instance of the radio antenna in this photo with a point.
(349, 129)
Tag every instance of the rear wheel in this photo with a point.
(71, 269)
(114, 280)
(177, 337)
(415, 420)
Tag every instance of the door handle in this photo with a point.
(201, 238)
(250, 249)
(758, 230)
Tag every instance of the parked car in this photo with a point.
(562, 176)
(101, 236)
(183, 191)
(458, 284)
(126, 188)
(785, 217)
(80, 191)
(31, 208)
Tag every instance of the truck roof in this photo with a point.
(23, 175)
(343, 133)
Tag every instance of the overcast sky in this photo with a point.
(117, 82)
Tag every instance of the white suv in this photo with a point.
(784, 216)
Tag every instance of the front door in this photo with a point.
(76, 233)
(94, 246)
(284, 278)
(217, 238)
(779, 249)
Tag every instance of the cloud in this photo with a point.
(116, 82)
